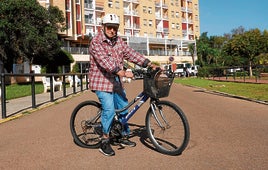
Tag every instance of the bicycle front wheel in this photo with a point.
(167, 128)
(85, 124)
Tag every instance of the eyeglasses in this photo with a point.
(114, 27)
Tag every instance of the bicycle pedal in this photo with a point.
(121, 146)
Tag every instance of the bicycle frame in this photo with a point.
(142, 98)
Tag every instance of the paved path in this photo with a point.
(226, 133)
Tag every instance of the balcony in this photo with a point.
(89, 21)
(191, 32)
(89, 6)
(133, 1)
(190, 21)
(99, 8)
(183, 9)
(165, 30)
(157, 5)
(165, 6)
(127, 12)
(135, 12)
(160, 29)
(190, 10)
(127, 26)
(184, 20)
(136, 26)
(157, 16)
(165, 17)
(76, 50)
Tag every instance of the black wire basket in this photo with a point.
(157, 85)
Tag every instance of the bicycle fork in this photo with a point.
(154, 109)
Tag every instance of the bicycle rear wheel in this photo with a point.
(168, 128)
(85, 124)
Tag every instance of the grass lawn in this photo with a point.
(21, 90)
(249, 90)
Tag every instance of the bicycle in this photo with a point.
(166, 124)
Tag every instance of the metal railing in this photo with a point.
(31, 80)
(235, 73)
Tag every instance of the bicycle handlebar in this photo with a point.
(151, 73)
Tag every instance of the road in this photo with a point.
(226, 133)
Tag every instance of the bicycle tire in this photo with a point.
(85, 124)
(173, 138)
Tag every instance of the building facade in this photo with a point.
(156, 28)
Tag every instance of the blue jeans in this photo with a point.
(111, 101)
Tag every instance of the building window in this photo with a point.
(177, 26)
(196, 6)
(196, 28)
(117, 5)
(110, 3)
(177, 14)
(173, 25)
(150, 10)
(177, 2)
(145, 22)
(68, 5)
(196, 17)
(172, 14)
(150, 23)
(144, 8)
(68, 19)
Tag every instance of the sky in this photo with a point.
(218, 17)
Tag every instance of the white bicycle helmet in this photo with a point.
(110, 19)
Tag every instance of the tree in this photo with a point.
(29, 31)
(192, 51)
(209, 49)
(202, 48)
(60, 59)
(247, 45)
(239, 30)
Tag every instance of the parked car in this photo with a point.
(233, 70)
(183, 69)
(194, 70)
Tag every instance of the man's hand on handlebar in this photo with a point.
(153, 66)
(121, 73)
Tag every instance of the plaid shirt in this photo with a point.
(107, 58)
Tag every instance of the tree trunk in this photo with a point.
(250, 69)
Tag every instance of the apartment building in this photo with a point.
(156, 28)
